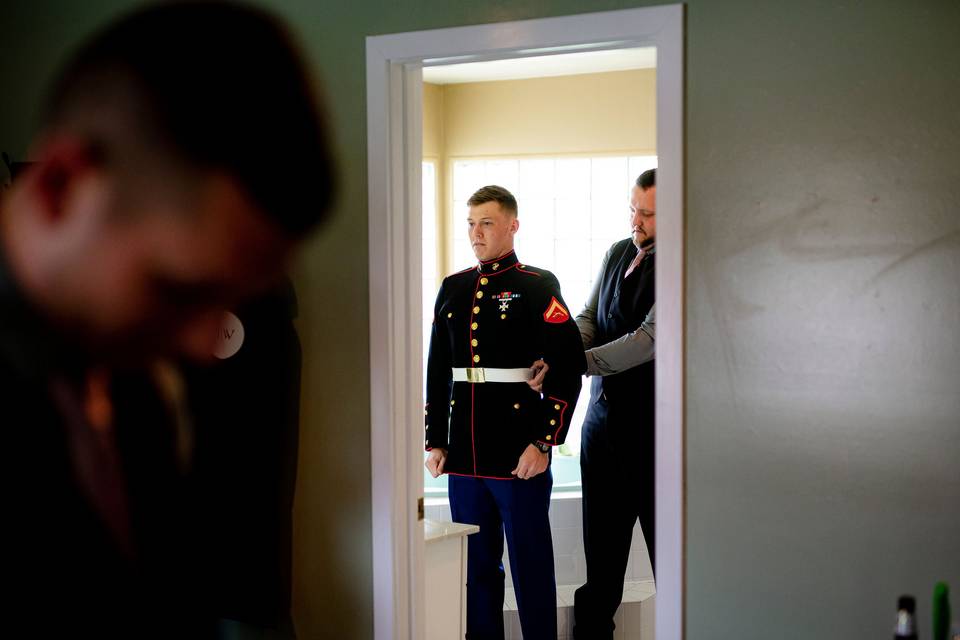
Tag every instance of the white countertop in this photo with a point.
(434, 530)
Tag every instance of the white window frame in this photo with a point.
(394, 141)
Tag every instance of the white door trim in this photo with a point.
(394, 103)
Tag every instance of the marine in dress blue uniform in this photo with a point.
(490, 323)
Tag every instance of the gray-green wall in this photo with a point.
(823, 303)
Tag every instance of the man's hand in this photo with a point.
(435, 461)
(532, 463)
(539, 369)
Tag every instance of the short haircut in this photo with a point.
(494, 193)
(647, 179)
(202, 86)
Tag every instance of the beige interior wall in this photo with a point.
(434, 148)
(590, 113)
(596, 114)
(433, 143)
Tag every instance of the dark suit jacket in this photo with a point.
(66, 570)
(246, 417)
(622, 306)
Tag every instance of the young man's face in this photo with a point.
(156, 281)
(491, 230)
(643, 216)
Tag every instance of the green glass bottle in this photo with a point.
(941, 611)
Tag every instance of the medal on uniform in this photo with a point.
(504, 298)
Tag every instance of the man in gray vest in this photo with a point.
(617, 325)
(618, 328)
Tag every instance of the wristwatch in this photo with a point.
(544, 448)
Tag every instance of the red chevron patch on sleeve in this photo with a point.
(555, 312)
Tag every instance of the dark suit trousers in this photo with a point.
(617, 468)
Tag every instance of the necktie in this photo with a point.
(635, 263)
(88, 414)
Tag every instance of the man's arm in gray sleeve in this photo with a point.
(625, 352)
(587, 319)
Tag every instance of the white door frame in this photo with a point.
(394, 107)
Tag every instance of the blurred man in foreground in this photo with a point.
(181, 158)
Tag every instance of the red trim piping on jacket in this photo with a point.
(562, 411)
(462, 271)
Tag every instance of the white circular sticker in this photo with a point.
(229, 337)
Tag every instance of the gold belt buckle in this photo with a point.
(475, 374)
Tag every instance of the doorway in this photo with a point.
(395, 102)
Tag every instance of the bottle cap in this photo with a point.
(907, 603)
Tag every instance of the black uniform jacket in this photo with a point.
(500, 314)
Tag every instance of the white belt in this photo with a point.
(486, 374)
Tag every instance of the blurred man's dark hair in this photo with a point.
(194, 86)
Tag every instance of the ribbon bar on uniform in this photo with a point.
(487, 374)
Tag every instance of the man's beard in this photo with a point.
(644, 242)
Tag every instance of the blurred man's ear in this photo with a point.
(60, 162)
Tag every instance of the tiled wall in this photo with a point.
(566, 525)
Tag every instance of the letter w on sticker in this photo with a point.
(555, 312)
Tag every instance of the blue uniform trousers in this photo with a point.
(519, 508)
